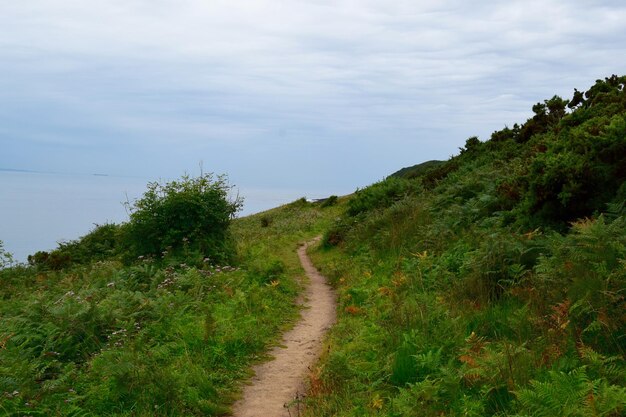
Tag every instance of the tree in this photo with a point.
(190, 213)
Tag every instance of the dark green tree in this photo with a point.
(192, 213)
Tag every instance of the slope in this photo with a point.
(492, 284)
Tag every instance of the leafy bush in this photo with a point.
(440, 172)
(100, 244)
(190, 213)
(579, 171)
(55, 260)
(330, 201)
(266, 221)
(336, 233)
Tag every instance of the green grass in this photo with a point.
(477, 321)
(490, 285)
(159, 337)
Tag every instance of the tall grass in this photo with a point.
(491, 285)
(167, 336)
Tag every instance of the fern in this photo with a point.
(571, 394)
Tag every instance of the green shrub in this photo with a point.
(336, 234)
(187, 214)
(266, 221)
(299, 203)
(55, 260)
(330, 201)
(100, 244)
(439, 173)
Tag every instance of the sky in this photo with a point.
(284, 94)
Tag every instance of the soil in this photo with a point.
(278, 385)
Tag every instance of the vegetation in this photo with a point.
(186, 218)
(417, 170)
(492, 284)
(87, 330)
(192, 214)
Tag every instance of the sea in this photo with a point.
(38, 209)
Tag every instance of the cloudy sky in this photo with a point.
(327, 94)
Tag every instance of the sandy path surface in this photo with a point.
(277, 383)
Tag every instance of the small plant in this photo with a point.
(6, 259)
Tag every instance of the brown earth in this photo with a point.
(278, 385)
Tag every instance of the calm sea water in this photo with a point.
(38, 210)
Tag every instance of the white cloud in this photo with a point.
(420, 76)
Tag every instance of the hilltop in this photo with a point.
(417, 170)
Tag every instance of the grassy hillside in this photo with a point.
(83, 331)
(492, 284)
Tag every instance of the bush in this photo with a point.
(190, 214)
(266, 221)
(330, 201)
(102, 243)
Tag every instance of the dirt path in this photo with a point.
(280, 381)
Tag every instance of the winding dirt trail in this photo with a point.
(277, 383)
